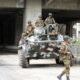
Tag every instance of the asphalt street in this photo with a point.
(39, 69)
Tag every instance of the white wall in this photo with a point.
(32, 11)
(77, 27)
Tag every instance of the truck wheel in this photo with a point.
(24, 62)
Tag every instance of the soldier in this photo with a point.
(65, 56)
(39, 22)
(29, 30)
(49, 19)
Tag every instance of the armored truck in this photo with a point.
(42, 44)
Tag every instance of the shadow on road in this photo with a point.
(7, 52)
(8, 65)
(31, 65)
(44, 65)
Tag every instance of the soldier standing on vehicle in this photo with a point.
(39, 22)
(29, 30)
(65, 56)
(50, 19)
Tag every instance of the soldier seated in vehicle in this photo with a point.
(51, 23)
(29, 30)
(39, 22)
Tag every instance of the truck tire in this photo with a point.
(24, 62)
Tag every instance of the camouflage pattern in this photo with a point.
(39, 22)
(28, 31)
(65, 57)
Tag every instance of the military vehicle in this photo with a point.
(41, 45)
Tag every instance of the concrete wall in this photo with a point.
(63, 4)
(33, 9)
(10, 4)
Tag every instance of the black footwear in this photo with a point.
(59, 77)
(67, 78)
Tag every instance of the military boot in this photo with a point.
(60, 76)
(67, 78)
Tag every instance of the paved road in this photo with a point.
(39, 69)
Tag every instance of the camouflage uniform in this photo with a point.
(29, 30)
(39, 22)
(50, 24)
(65, 57)
(50, 19)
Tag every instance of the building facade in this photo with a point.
(14, 15)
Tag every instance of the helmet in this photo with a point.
(50, 14)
